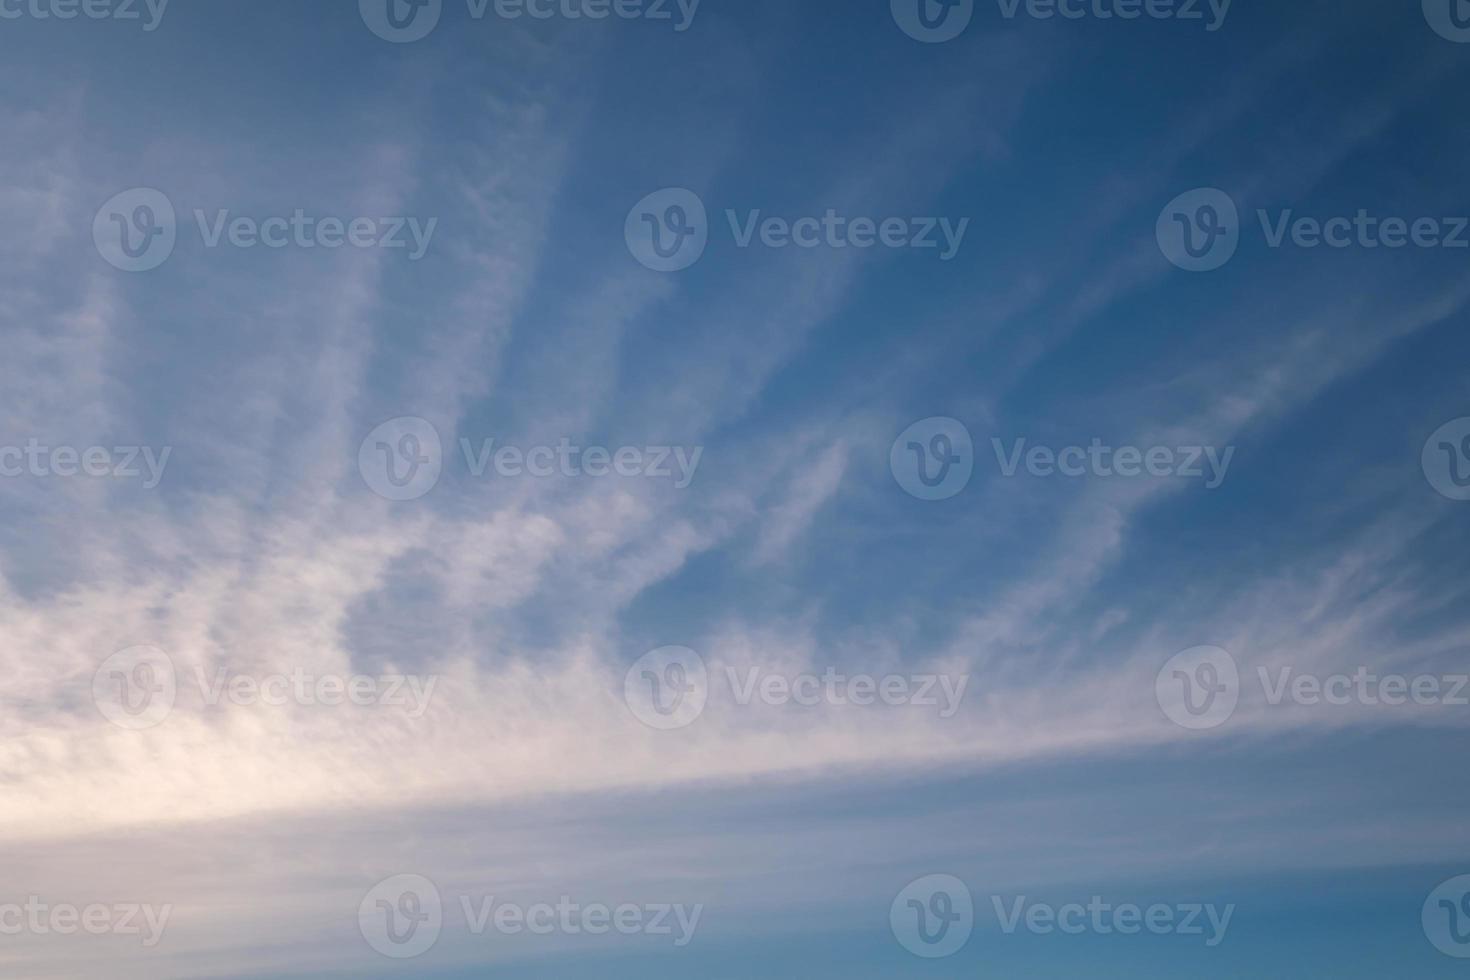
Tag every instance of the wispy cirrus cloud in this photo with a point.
(518, 604)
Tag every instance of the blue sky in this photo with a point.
(800, 387)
